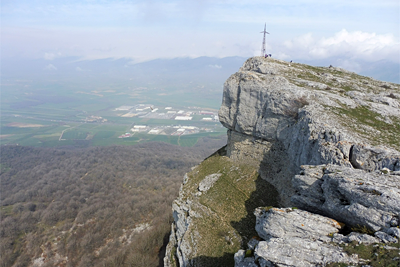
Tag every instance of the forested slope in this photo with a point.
(103, 206)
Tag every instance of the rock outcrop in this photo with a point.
(323, 140)
(294, 236)
(352, 196)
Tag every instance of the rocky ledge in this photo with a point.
(321, 139)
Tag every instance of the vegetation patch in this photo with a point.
(103, 135)
(388, 132)
(227, 222)
(362, 229)
(375, 255)
(74, 135)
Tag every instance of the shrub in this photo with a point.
(362, 229)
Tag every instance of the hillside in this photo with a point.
(102, 206)
(310, 175)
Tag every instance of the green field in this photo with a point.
(75, 135)
(103, 135)
(52, 113)
(92, 134)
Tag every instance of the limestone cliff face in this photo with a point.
(324, 140)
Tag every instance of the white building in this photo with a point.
(124, 108)
(206, 119)
(154, 131)
(138, 128)
(183, 118)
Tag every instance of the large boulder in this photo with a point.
(355, 197)
(293, 237)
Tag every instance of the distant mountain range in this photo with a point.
(214, 69)
(210, 68)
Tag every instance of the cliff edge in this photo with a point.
(311, 169)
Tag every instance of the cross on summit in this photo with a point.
(263, 45)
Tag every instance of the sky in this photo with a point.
(345, 32)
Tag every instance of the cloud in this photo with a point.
(80, 69)
(215, 66)
(49, 56)
(355, 45)
(50, 67)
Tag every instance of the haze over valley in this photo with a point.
(105, 99)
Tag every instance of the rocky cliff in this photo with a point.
(310, 173)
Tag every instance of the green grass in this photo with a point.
(231, 202)
(311, 73)
(74, 135)
(389, 133)
(15, 130)
(6, 210)
(103, 135)
(375, 254)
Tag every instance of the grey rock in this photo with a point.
(355, 236)
(339, 238)
(242, 261)
(372, 158)
(183, 233)
(297, 238)
(355, 197)
(301, 252)
(394, 231)
(386, 238)
(241, 108)
(394, 221)
(361, 238)
(264, 263)
(169, 257)
(252, 244)
(288, 223)
(260, 101)
(208, 182)
(185, 179)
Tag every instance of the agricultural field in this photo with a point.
(55, 115)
